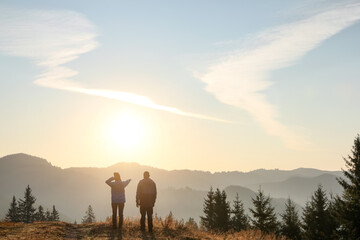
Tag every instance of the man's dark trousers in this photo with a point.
(116, 206)
(146, 211)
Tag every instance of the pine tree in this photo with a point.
(335, 225)
(191, 223)
(48, 216)
(12, 214)
(308, 218)
(316, 217)
(239, 221)
(55, 214)
(89, 216)
(290, 225)
(349, 204)
(40, 215)
(221, 211)
(26, 206)
(264, 218)
(207, 221)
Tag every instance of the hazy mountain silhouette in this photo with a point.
(179, 191)
(300, 189)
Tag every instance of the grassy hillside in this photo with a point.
(162, 230)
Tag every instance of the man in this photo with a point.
(145, 198)
(117, 197)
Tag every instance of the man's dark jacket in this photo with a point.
(146, 193)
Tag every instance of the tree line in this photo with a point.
(337, 217)
(24, 210)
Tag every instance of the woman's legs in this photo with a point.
(114, 210)
(121, 216)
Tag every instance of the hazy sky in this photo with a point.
(208, 85)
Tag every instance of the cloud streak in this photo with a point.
(240, 79)
(53, 38)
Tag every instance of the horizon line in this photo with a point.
(182, 169)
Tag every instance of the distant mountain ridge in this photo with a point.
(23, 160)
(180, 191)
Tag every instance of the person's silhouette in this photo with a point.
(117, 197)
(145, 198)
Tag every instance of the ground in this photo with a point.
(103, 230)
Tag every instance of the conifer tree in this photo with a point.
(55, 214)
(264, 218)
(191, 223)
(316, 217)
(221, 211)
(48, 216)
(290, 225)
(308, 218)
(335, 225)
(89, 216)
(12, 214)
(239, 220)
(40, 215)
(349, 204)
(26, 206)
(207, 221)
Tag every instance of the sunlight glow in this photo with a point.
(126, 131)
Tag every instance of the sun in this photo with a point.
(126, 131)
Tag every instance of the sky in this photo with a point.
(201, 85)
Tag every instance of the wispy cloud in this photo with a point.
(53, 38)
(239, 79)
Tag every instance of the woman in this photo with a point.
(117, 197)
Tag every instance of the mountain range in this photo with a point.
(71, 190)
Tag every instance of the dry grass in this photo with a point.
(131, 230)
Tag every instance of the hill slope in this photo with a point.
(300, 189)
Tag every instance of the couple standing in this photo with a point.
(145, 198)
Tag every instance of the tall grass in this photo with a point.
(167, 228)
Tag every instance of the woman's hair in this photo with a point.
(117, 176)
